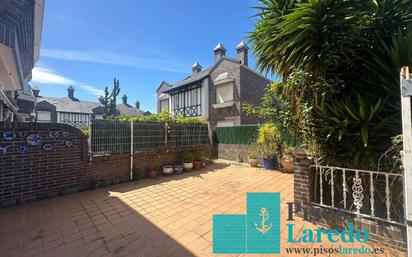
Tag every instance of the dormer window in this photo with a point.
(224, 93)
(224, 88)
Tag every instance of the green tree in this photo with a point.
(339, 61)
(109, 99)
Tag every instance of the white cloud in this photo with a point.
(112, 58)
(48, 76)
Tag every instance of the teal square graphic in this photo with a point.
(229, 234)
(263, 223)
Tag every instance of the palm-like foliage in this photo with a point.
(323, 36)
(350, 131)
(354, 50)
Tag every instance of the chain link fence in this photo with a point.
(114, 137)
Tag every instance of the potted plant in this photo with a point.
(197, 160)
(157, 162)
(269, 141)
(178, 168)
(187, 161)
(252, 156)
(288, 159)
(167, 169)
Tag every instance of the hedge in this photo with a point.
(241, 135)
(245, 135)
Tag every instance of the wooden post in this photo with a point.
(407, 156)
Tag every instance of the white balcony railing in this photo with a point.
(358, 190)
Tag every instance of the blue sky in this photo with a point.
(141, 43)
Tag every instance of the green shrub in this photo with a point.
(85, 130)
(163, 117)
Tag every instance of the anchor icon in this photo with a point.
(265, 216)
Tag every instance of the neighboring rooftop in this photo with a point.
(198, 74)
(74, 105)
(67, 104)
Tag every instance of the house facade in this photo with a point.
(217, 93)
(21, 25)
(72, 111)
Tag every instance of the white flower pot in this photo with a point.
(188, 166)
(167, 169)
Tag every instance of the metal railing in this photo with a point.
(373, 194)
(109, 137)
(183, 135)
(148, 136)
(115, 137)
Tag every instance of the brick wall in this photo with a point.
(382, 232)
(110, 169)
(232, 113)
(252, 89)
(39, 173)
(66, 168)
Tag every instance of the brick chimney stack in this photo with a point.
(219, 51)
(242, 53)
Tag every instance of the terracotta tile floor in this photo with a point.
(168, 216)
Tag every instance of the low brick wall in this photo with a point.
(109, 169)
(40, 172)
(144, 161)
(59, 163)
(233, 152)
(385, 233)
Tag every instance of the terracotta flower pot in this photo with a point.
(153, 173)
(197, 165)
(253, 162)
(287, 166)
(188, 166)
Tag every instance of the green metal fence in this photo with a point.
(114, 137)
(108, 137)
(148, 136)
(183, 135)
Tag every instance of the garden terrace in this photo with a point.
(170, 216)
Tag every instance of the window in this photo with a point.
(224, 93)
(73, 119)
(44, 117)
(187, 103)
(164, 105)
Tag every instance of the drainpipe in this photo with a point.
(131, 150)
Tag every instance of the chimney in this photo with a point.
(124, 99)
(219, 51)
(242, 53)
(36, 91)
(137, 105)
(70, 92)
(196, 67)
